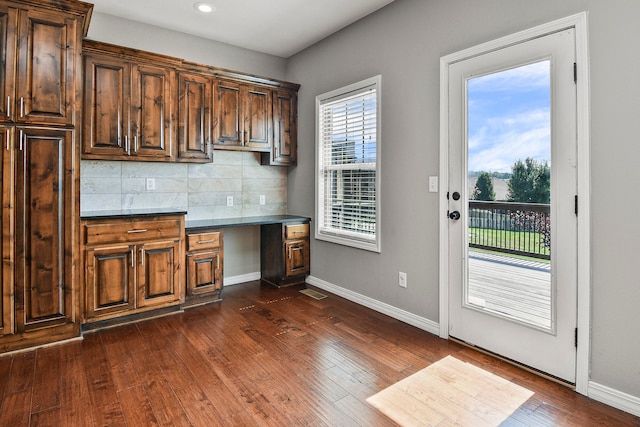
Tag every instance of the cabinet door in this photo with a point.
(6, 273)
(228, 111)
(46, 68)
(8, 24)
(44, 226)
(106, 106)
(257, 118)
(151, 112)
(297, 258)
(204, 272)
(194, 117)
(285, 133)
(158, 273)
(110, 281)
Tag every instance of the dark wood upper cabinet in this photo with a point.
(285, 129)
(195, 105)
(128, 109)
(243, 117)
(145, 106)
(106, 106)
(39, 50)
(8, 40)
(151, 111)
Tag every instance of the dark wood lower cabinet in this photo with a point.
(110, 282)
(131, 266)
(205, 260)
(284, 253)
(38, 236)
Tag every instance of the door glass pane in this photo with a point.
(509, 176)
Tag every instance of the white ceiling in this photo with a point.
(276, 27)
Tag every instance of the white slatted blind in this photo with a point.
(348, 165)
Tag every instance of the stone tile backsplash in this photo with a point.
(200, 189)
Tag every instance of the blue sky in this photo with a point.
(509, 117)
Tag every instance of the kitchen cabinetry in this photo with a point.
(284, 253)
(127, 109)
(40, 82)
(195, 104)
(131, 265)
(284, 150)
(205, 260)
(243, 116)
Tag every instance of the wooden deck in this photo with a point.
(511, 287)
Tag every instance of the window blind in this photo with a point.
(348, 165)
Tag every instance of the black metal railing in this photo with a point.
(515, 228)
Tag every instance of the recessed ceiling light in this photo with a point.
(204, 7)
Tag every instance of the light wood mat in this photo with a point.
(450, 392)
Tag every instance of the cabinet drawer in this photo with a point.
(131, 231)
(203, 241)
(296, 231)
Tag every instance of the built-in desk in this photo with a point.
(141, 246)
(284, 245)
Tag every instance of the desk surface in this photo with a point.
(197, 224)
(207, 224)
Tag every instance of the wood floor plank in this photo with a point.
(105, 406)
(46, 386)
(136, 407)
(16, 409)
(75, 401)
(22, 373)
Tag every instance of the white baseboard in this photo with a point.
(236, 280)
(617, 399)
(389, 310)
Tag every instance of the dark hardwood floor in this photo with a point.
(262, 356)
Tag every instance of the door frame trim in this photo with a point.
(579, 23)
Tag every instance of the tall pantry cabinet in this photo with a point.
(40, 94)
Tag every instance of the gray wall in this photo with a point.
(404, 42)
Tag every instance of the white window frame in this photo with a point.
(366, 241)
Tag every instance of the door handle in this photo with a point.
(455, 215)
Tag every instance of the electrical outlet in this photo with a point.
(402, 279)
(263, 199)
(151, 184)
(229, 200)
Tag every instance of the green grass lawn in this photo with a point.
(524, 241)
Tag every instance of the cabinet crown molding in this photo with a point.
(141, 56)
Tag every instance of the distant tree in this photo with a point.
(484, 187)
(530, 182)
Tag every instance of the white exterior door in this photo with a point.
(520, 306)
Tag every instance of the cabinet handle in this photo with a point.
(218, 258)
(205, 241)
(8, 139)
(142, 257)
(9, 106)
(137, 231)
(126, 144)
(20, 138)
(133, 260)
(22, 106)
(135, 143)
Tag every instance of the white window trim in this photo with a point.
(350, 239)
